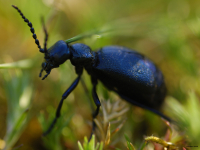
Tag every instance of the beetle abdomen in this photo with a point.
(131, 74)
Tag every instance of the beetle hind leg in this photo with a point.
(97, 103)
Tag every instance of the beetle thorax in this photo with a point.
(82, 55)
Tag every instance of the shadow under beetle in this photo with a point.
(131, 75)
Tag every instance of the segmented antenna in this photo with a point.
(33, 31)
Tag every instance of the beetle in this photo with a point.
(128, 73)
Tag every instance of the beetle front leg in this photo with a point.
(64, 96)
(96, 101)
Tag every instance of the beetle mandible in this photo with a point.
(131, 75)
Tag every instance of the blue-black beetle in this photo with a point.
(131, 75)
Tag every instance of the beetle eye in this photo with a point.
(44, 64)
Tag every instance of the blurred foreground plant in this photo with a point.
(187, 115)
(18, 88)
(110, 120)
(90, 145)
(52, 140)
(129, 144)
(173, 140)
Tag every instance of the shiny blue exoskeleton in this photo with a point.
(131, 75)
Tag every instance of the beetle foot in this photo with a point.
(46, 75)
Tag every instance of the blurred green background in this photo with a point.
(167, 32)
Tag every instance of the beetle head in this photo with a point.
(55, 56)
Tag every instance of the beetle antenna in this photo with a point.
(46, 36)
(32, 29)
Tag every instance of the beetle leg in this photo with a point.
(64, 96)
(96, 101)
(46, 74)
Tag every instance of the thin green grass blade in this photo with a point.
(22, 64)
